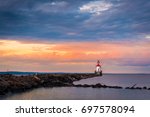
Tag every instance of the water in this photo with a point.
(123, 80)
(76, 93)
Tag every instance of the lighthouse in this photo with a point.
(98, 69)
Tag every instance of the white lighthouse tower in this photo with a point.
(98, 69)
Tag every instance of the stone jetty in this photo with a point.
(98, 86)
(12, 83)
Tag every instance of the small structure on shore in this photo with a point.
(98, 69)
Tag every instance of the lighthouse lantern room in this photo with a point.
(98, 69)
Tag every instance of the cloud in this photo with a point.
(77, 20)
(147, 36)
(95, 7)
(139, 62)
(51, 6)
(51, 56)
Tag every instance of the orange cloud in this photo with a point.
(75, 53)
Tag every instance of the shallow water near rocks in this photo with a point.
(80, 93)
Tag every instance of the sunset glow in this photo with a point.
(72, 53)
(70, 36)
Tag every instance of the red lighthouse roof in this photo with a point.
(98, 63)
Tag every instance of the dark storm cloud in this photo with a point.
(70, 20)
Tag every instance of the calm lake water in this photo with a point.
(75, 93)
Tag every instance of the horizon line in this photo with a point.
(67, 72)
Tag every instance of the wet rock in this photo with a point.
(98, 86)
(144, 87)
(86, 85)
(138, 88)
(79, 85)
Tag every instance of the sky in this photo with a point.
(71, 35)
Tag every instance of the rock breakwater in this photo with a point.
(12, 83)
